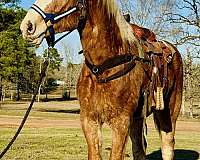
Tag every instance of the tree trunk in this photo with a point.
(38, 98)
(3, 95)
(191, 107)
(183, 105)
(18, 91)
(46, 93)
(11, 95)
(1, 89)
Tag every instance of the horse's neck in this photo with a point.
(100, 37)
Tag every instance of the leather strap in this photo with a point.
(109, 63)
(165, 80)
(127, 68)
(127, 59)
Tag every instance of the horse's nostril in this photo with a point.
(30, 26)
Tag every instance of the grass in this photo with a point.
(69, 144)
(64, 143)
(46, 144)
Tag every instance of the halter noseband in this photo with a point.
(50, 19)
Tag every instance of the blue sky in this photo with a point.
(27, 4)
(72, 41)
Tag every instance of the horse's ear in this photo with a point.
(127, 17)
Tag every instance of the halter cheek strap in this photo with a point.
(50, 19)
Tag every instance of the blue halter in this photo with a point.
(50, 19)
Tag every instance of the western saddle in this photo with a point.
(160, 54)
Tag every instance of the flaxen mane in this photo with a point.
(125, 29)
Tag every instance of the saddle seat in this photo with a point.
(149, 41)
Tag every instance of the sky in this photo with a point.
(72, 41)
(27, 4)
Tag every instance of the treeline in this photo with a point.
(191, 90)
(19, 64)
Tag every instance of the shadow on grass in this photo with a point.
(74, 111)
(58, 99)
(179, 154)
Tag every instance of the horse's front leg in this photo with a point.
(92, 130)
(120, 129)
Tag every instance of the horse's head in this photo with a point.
(47, 17)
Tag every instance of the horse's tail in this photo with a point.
(177, 65)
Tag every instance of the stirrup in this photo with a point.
(159, 99)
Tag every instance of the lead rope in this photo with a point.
(144, 133)
(42, 75)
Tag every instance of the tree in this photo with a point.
(55, 62)
(54, 58)
(149, 14)
(9, 2)
(14, 51)
(14, 56)
(191, 81)
(29, 79)
(187, 16)
(72, 71)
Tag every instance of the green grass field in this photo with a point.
(67, 142)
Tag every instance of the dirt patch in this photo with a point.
(65, 121)
(40, 122)
(181, 125)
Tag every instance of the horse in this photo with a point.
(112, 84)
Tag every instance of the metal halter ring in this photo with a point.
(95, 70)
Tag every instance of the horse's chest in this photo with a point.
(104, 101)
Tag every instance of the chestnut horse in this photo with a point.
(119, 102)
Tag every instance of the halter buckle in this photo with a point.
(49, 23)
